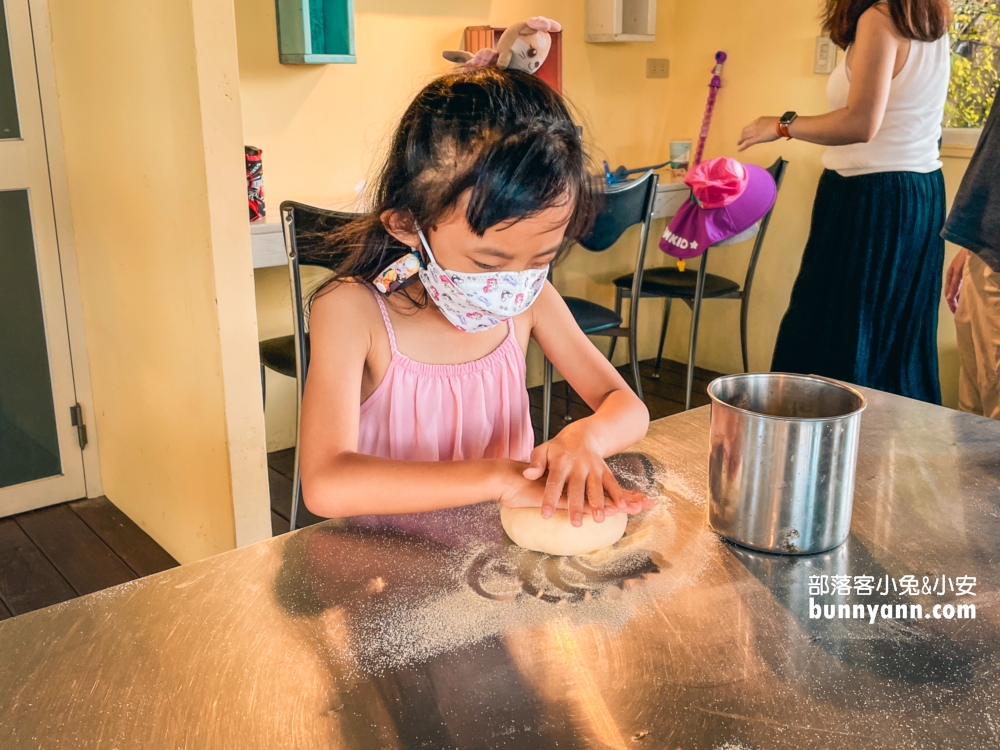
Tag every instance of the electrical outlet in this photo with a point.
(657, 68)
(825, 59)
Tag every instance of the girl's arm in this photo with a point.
(336, 480)
(873, 63)
(574, 459)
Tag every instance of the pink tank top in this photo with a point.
(423, 412)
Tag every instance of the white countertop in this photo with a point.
(267, 244)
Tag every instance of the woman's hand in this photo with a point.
(574, 465)
(953, 279)
(761, 130)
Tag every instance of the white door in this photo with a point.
(41, 451)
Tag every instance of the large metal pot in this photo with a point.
(781, 468)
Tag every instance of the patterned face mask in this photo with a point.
(474, 302)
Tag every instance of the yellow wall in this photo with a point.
(321, 129)
(149, 105)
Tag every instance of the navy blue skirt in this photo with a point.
(864, 307)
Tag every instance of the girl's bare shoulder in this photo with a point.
(348, 304)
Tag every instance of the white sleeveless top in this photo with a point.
(907, 141)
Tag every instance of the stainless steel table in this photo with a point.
(434, 632)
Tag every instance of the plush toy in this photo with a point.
(523, 46)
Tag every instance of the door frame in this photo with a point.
(41, 37)
(52, 126)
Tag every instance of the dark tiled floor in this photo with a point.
(663, 396)
(57, 553)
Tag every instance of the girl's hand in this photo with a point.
(575, 466)
(761, 130)
(953, 279)
(520, 492)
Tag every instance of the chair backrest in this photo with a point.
(305, 227)
(625, 204)
(777, 171)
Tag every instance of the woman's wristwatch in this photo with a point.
(783, 122)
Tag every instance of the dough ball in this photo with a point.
(557, 536)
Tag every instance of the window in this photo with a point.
(975, 60)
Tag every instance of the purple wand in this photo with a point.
(713, 91)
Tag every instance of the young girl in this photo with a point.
(416, 397)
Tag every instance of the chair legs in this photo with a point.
(633, 359)
(633, 344)
(296, 492)
(633, 351)
(744, 305)
(547, 401)
(695, 314)
(296, 474)
(663, 336)
(618, 311)
(633, 355)
(263, 385)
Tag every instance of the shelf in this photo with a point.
(315, 32)
(620, 21)
(621, 38)
(296, 59)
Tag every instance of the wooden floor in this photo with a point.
(50, 555)
(57, 553)
(663, 396)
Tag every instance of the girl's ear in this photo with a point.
(401, 226)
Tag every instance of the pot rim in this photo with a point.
(829, 381)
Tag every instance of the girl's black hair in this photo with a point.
(505, 135)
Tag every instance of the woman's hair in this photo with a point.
(922, 20)
(505, 135)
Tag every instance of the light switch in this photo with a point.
(826, 56)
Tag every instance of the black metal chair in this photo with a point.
(303, 227)
(692, 286)
(625, 204)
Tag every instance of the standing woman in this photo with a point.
(864, 307)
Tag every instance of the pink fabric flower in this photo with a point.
(717, 182)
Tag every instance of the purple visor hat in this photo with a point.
(727, 198)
